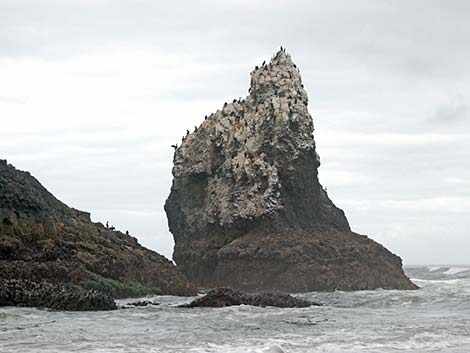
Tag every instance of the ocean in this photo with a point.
(435, 318)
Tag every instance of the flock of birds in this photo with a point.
(264, 66)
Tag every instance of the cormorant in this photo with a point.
(195, 128)
(205, 118)
(187, 132)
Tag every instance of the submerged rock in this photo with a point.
(246, 207)
(143, 303)
(56, 297)
(43, 240)
(221, 297)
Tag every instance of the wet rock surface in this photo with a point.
(43, 240)
(246, 207)
(50, 296)
(142, 303)
(221, 297)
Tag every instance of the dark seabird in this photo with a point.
(205, 118)
(187, 132)
(175, 146)
(195, 128)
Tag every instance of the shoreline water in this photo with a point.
(435, 318)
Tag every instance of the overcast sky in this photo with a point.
(94, 92)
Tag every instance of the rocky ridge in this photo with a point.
(247, 210)
(44, 240)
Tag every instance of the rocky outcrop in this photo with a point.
(55, 297)
(247, 210)
(43, 240)
(142, 303)
(221, 297)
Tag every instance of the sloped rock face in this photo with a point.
(246, 208)
(43, 240)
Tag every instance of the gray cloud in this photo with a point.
(451, 113)
(387, 83)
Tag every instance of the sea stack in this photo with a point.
(246, 207)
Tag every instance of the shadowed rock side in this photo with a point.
(41, 239)
(221, 297)
(246, 208)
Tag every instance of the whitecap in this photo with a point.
(455, 270)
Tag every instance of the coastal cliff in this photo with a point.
(246, 207)
(42, 240)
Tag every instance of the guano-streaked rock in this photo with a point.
(247, 210)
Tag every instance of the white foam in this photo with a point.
(454, 270)
(272, 349)
(435, 268)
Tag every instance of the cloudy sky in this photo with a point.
(94, 92)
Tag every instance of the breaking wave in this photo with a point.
(435, 318)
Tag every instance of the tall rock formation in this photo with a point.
(247, 210)
(43, 240)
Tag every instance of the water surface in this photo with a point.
(435, 318)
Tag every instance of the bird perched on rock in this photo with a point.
(195, 128)
(187, 132)
(175, 146)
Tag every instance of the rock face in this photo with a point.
(56, 297)
(43, 240)
(221, 297)
(247, 210)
